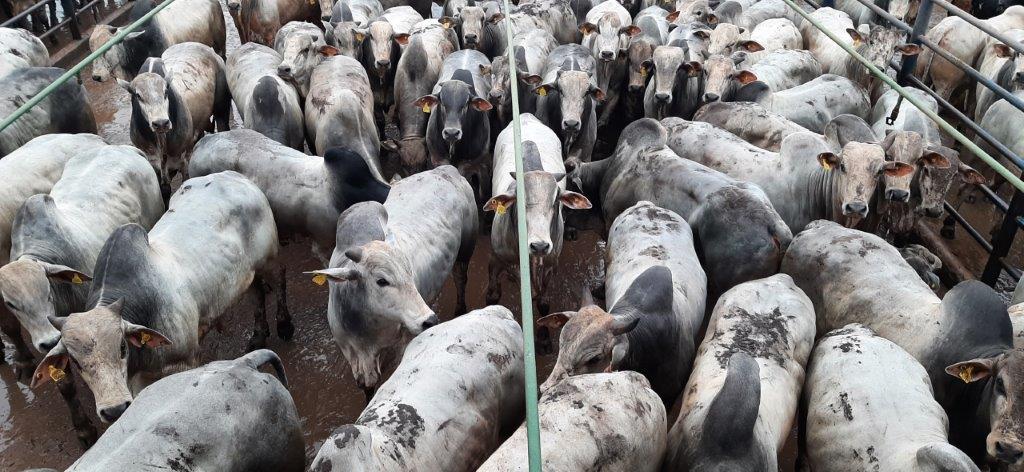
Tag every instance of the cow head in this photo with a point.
(933, 182)
(592, 340)
(384, 45)
(379, 279)
(608, 37)
(112, 62)
(98, 342)
(326, 7)
(727, 38)
(692, 11)
(577, 92)
(151, 97)
(670, 70)
(878, 47)
(907, 147)
(451, 104)
(694, 38)
(721, 78)
(302, 53)
(1004, 393)
(1012, 76)
(25, 291)
(471, 24)
(641, 50)
(859, 167)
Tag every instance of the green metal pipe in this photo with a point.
(948, 128)
(81, 65)
(525, 291)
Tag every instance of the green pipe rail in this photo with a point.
(948, 128)
(72, 72)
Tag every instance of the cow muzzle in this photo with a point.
(897, 195)
(112, 413)
(161, 126)
(1007, 452)
(663, 97)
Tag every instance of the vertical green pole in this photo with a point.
(525, 292)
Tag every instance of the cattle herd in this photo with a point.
(740, 165)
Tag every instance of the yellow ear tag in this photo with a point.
(967, 373)
(359, 37)
(542, 91)
(643, 72)
(500, 208)
(312, 2)
(426, 108)
(56, 374)
(826, 165)
(76, 279)
(319, 279)
(144, 339)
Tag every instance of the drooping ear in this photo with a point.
(646, 67)
(908, 49)
(485, 69)
(970, 176)
(574, 200)
(829, 161)
(745, 77)
(702, 34)
(619, 351)
(480, 104)
(692, 68)
(855, 35)
(934, 159)
(587, 28)
(897, 169)
(336, 274)
(555, 320)
(495, 18)
(672, 16)
(543, 89)
(426, 103)
(446, 21)
(532, 79)
(973, 370)
(63, 273)
(360, 35)
(712, 19)
(141, 336)
(1002, 50)
(126, 85)
(631, 30)
(597, 93)
(500, 203)
(750, 45)
(620, 326)
(354, 254)
(328, 51)
(52, 367)
(402, 38)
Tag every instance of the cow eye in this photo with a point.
(1000, 387)
(842, 167)
(594, 360)
(383, 283)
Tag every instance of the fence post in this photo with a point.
(71, 12)
(924, 13)
(1003, 239)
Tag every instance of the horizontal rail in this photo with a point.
(25, 14)
(980, 24)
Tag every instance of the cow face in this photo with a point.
(880, 44)
(724, 37)
(576, 90)
(151, 98)
(694, 38)
(471, 23)
(907, 147)
(25, 290)
(670, 70)
(348, 39)
(607, 37)
(641, 50)
(383, 47)
(98, 342)
(591, 341)
(692, 11)
(451, 104)
(380, 278)
(933, 182)
(110, 63)
(325, 9)
(1004, 391)
(498, 94)
(860, 166)
(722, 79)
(1016, 72)
(302, 53)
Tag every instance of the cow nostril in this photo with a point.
(662, 96)
(161, 125)
(111, 414)
(383, 62)
(283, 70)
(856, 207)
(571, 125)
(1008, 453)
(607, 55)
(933, 212)
(45, 346)
(470, 38)
(540, 248)
(897, 195)
(326, 17)
(97, 78)
(710, 97)
(452, 134)
(430, 322)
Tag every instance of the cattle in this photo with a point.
(693, 11)
(786, 68)
(924, 262)
(418, 71)
(459, 129)
(727, 38)
(544, 181)
(741, 400)
(643, 166)
(475, 27)
(727, 12)
(853, 424)
(227, 406)
(423, 7)
(382, 46)
(568, 96)
(56, 238)
(460, 382)
(30, 170)
(812, 104)
(347, 22)
(1000, 121)
(909, 117)
(753, 123)
(339, 110)
(606, 421)
(774, 34)
(389, 260)
(757, 13)
(693, 37)
(653, 23)
(1001, 64)
(266, 103)
(66, 110)
(655, 291)
(530, 49)
(964, 42)
(862, 15)
(556, 16)
(302, 47)
(259, 20)
(20, 49)
(722, 80)
(805, 180)
(606, 32)
(154, 295)
(856, 277)
(198, 21)
(676, 86)
(174, 98)
(306, 193)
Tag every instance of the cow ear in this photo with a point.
(52, 367)
(597, 93)
(745, 77)
(402, 39)
(532, 79)
(1002, 50)
(500, 203)
(631, 30)
(692, 68)
(354, 254)
(620, 326)
(828, 160)
(329, 51)
(495, 18)
(587, 28)
(63, 273)
(135, 34)
(359, 35)
(672, 16)
(969, 175)
(574, 200)
(712, 19)
(125, 85)
(555, 320)
(751, 45)
(446, 21)
(897, 169)
(934, 159)
(702, 34)
(480, 104)
(485, 69)
(141, 336)
(426, 103)
(336, 274)
(908, 49)
(855, 35)
(972, 370)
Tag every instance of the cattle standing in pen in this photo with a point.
(568, 96)
(459, 128)
(348, 20)
(384, 41)
(339, 110)
(530, 49)
(259, 20)
(302, 47)
(266, 103)
(812, 104)
(390, 260)
(606, 32)
(66, 110)
(675, 88)
(155, 295)
(654, 23)
(753, 123)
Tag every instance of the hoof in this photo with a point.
(285, 329)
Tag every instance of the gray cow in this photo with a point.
(750, 121)
(741, 237)
(676, 86)
(569, 94)
(741, 400)
(964, 341)
(656, 290)
(530, 49)
(812, 104)
(347, 22)
(390, 260)
(475, 26)
(20, 49)
(339, 110)
(155, 295)
(383, 42)
(459, 384)
(459, 129)
(653, 23)
(66, 110)
(606, 32)
(266, 103)
(302, 47)
(226, 415)
(174, 98)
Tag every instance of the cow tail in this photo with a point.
(258, 358)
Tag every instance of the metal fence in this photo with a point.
(48, 17)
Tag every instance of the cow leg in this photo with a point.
(285, 328)
(494, 272)
(84, 428)
(24, 363)
(460, 272)
(260, 328)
